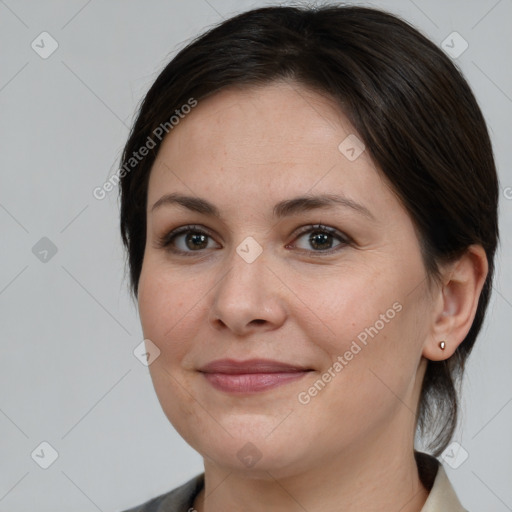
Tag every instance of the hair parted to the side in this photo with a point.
(409, 104)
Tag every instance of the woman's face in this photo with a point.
(339, 312)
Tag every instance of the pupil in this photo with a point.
(194, 241)
(320, 240)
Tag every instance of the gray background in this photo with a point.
(68, 375)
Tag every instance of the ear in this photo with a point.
(456, 301)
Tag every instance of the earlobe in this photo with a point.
(440, 350)
(457, 302)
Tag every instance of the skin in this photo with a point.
(351, 447)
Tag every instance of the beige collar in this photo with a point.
(442, 497)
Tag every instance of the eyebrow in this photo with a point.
(282, 209)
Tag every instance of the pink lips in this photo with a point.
(250, 376)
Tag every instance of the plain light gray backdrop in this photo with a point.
(68, 375)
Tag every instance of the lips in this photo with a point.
(231, 366)
(251, 376)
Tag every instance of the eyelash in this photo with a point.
(166, 241)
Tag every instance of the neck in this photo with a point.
(384, 479)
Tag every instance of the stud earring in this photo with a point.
(442, 345)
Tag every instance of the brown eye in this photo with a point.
(196, 241)
(187, 240)
(321, 239)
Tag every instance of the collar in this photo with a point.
(442, 496)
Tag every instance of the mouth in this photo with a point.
(251, 376)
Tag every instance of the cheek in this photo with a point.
(168, 309)
(365, 321)
(371, 371)
(174, 312)
(164, 294)
(166, 306)
(349, 303)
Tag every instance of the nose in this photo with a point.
(248, 297)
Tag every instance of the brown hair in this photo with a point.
(409, 104)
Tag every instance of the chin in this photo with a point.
(256, 455)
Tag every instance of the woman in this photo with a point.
(309, 206)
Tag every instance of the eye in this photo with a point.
(187, 239)
(320, 239)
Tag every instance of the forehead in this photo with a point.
(280, 139)
(276, 115)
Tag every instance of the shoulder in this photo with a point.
(179, 499)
